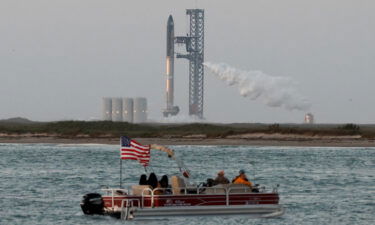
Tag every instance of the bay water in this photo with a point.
(44, 183)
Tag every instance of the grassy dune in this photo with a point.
(98, 129)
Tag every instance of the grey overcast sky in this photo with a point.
(58, 58)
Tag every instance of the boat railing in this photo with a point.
(126, 204)
(151, 193)
(144, 193)
(194, 191)
(115, 192)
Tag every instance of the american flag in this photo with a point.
(130, 149)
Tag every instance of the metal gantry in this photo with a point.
(194, 42)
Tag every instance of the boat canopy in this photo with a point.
(183, 169)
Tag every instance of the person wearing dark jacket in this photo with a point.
(143, 179)
(164, 182)
(221, 179)
(163, 186)
(152, 180)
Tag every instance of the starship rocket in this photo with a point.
(170, 109)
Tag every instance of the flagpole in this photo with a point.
(120, 167)
(120, 173)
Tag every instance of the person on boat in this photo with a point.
(163, 185)
(242, 179)
(164, 182)
(152, 180)
(221, 179)
(143, 179)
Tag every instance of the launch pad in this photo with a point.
(194, 45)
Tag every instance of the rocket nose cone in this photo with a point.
(170, 20)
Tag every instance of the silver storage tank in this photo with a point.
(127, 110)
(140, 110)
(107, 109)
(309, 118)
(117, 109)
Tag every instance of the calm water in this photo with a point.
(43, 184)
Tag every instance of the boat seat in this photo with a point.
(178, 185)
(217, 189)
(138, 189)
(239, 188)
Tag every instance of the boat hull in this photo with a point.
(248, 210)
(129, 207)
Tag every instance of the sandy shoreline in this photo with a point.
(333, 142)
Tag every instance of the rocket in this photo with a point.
(170, 108)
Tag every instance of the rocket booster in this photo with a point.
(170, 37)
(170, 61)
(170, 109)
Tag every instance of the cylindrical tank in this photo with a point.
(107, 109)
(117, 109)
(140, 110)
(127, 110)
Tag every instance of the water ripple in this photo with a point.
(43, 183)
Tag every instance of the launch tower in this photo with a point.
(194, 42)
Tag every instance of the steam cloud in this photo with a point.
(181, 119)
(274, 91)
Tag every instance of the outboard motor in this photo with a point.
(92, 204)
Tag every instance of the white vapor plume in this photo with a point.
(182, 119)
(274, 91)
(178, 119)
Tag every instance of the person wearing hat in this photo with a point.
(242, 179)
(221, 179)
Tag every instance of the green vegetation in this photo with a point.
(107, 129)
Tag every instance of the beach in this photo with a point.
(250, 140)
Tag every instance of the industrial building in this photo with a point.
(117, 109)
(107, 109)
(140, 110)
(125, 110)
